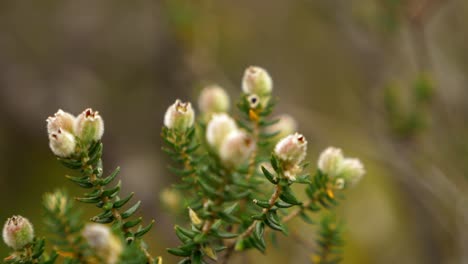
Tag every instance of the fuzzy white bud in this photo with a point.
(236, 148)
(218, 128)
(292, 149)
(62, 143)
(61, 120)
(344, 171)
(352, 170)
(213, 99)
(89, 126)
(256, 80)
(100, 238)
(330, 161)
(18, 232)
(179, 116)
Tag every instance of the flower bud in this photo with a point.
(218, 128)
(292, 149)
(213, 99)
(330, 161)
(352, 170)
(343, 171)
(256, 80)
(18, 232)
(61, 120)
(236, 148)
(62, 143)
(179, 116)
(89, 126)
(106, 245)
(194, 217)
(285, 126)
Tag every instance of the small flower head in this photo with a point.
(194, 217)
(18, 232)
(352, 170)
(330, 161)
(100, 238)
(256, 80)
(179, 116)
(285, 126)
(218, 128)
(342, 171)
(62, 143)
(292, 149)
(213, 99)
(61, 120)
(236, 148)
(89, 126)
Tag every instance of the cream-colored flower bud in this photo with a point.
(106, 245)
(213, 99)
(285, 126)
(292, 149)
(351, 170)
(218, 128)
(256, 80)
(61, 120)
(62, 143)
(89, 126)
(18, 232)
(179, 116)
(194, 217)
(236, 148)
(330, 161)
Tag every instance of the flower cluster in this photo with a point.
(67, 132)
(343, 171)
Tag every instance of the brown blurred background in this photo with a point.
(340, 67)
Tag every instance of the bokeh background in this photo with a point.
(386, 80)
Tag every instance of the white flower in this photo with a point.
(62, 143)
(60, 120)
(218, 128)
(89, 126)
(292, 149)
(343, 171)
(352, 170)
(179, 116)
(213, 99)
(18, 232)
(107, 246)
(256, 80)
(236, 148)
(330, 161)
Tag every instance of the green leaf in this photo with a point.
(132, 223)
(231, 209)
(131, 210)
(123, 201)
(111, 177)
(144, 230)
(288, 197)
(269, 176)
(113, 191)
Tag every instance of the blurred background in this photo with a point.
(386, 80)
